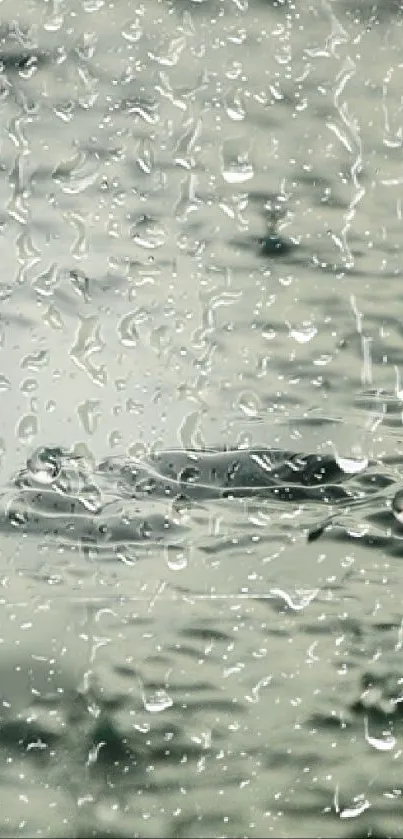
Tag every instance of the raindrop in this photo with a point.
(386, 744)
(304, 333)
(236, 165)
(115, 438)
(90, 414)
(189, 475)
(299, 600)
(29, 67)
(132, 31)
(128, 331)
(28, 386)
(147, 234)
(249, 404)
(157, 701)
(234, 105)
(45, 284)
(144, 157)
(90, 497)
(27, 428)
(35, 361)
(93, 5)
(17, 518)
(53, 318)
(175, 557)
(80, 282)
(181, 506)
(44, 465)
(397, 506)
(5, 383)
(5, 291)
(352, 465)
(268, 333)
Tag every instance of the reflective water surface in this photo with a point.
(201, 501)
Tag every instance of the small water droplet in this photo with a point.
(44, 465)
(17, 517)
(90, 497)
(234, 105)
(5, 291)
(90, 414)
(304, 333)
(5, 383)
(397, 506)
(176, 558)
(268, 333)
(115, 438)
(128, 330)
(147, 233)
(236, 166)
(249, 404)
(28, 386)
(157, 701)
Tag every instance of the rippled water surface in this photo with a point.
(201, 501)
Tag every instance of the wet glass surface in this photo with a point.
(201, 503)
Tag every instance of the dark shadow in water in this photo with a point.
(61, 493)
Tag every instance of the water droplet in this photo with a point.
(17, 517)
(298, 600)
(44, 465)
(157, 701)
(35, 361)
(304, 333)
(249, 404)
(90, 497)
(128, 330)
(176, 558)
(28, 386)
(239, 172)
(53, 318)
(147, 233)
(352, 465)
(115, 438)
(5, 291)
(234, 105)
(181, 506)
(5, 383)
(90, 6)
(80, 282)
(27, 428)
(90, 414)
(397, 506)
(45, 284)
(132, 31)
(236, 165)
(268, 333)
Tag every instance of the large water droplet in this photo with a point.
(44, 465)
